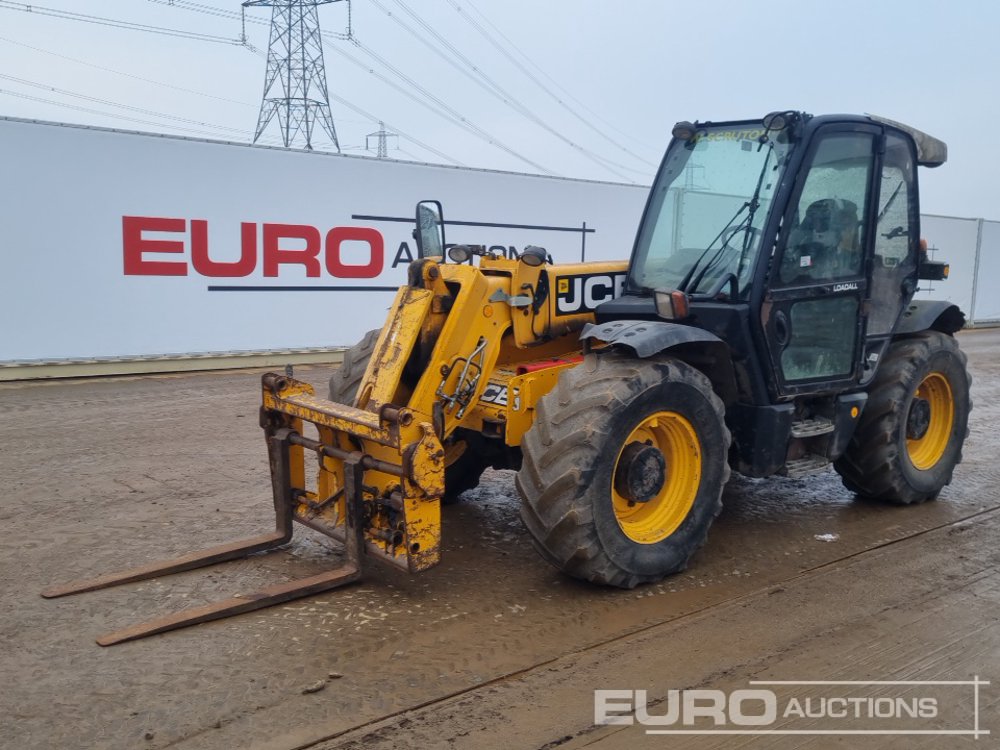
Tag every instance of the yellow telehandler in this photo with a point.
(766, 322)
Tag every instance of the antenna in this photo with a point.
(295, 80)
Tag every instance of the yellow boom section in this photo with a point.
(456, 336)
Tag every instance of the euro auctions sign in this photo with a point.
(828, 708)
(120, 244)
(271, 246)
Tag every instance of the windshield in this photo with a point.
(707, 210)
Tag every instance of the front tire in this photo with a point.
(346, 380)
(624, 469)
(909, 440)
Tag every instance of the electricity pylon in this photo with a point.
(382, 136)
(295, 81)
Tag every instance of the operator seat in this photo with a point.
(827, 239)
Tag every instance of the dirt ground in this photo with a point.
(799, 581)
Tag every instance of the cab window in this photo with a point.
(824, 241)
(895, 236)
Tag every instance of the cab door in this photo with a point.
(812, 311)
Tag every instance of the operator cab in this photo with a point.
(794, 239)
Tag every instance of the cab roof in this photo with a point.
(931, 152)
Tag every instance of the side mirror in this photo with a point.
(429, 233)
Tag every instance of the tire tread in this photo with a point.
(563, 445)
(871, 465)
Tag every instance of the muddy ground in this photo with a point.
(492, 648)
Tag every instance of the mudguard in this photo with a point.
(645, 337)
(926, 314)
(648, 338)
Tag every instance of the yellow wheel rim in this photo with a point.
(653, 521)
(927, 450)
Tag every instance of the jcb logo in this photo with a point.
(584, 292)
(494, 394)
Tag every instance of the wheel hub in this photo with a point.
(919, 419)
(651, 502)
(642, 472)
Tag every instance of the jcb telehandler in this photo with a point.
(765, 323)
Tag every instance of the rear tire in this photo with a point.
(590, 433)
(460, 476)
(910, 436)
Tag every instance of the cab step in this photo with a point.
(806, 466)
(807, 428)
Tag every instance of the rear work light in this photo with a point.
(931, 270)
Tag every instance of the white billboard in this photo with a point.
(954, 241)
(987, 301)
(121, 244)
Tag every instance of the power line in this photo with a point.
(449, 112)
(78, 61)
(506, 53)
(211, 10)
(512, 45)
(370, 117)
(403, 151)
(108, 102)
(422, 145)
(457, 117)
(427, 100)
(112, 115)
(114, 23)
(477, 76)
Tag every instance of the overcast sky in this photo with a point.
(617, 74)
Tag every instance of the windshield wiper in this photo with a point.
(690, 282)
(755, 204)
(745, 226)
(888, 203)
(683, 286)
